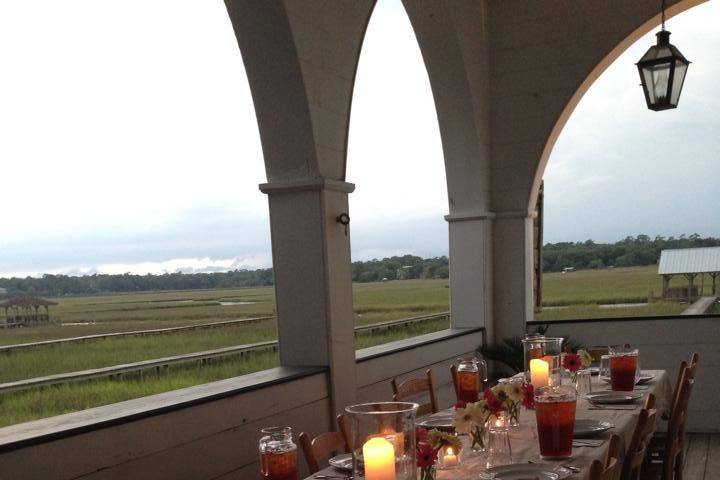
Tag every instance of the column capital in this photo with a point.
(307, 185)
(516, 214)
(469, 216)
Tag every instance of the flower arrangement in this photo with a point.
(573, 362)
(429, 444)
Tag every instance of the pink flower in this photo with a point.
(421, 435)
(492, 402)
(572, 362)
(528, 400)
(426, 455)
(460, 405)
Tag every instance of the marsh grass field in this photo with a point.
(582, 294)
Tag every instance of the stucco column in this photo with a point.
(513, 279)
(313, 281)
(471, 269)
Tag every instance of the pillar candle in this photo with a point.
(379, 458)
(450, 459)
(539, 372)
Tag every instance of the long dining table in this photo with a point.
(524, 440)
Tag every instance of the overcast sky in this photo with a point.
(129, 143)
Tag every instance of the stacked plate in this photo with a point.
(613, 398)
(523, 471)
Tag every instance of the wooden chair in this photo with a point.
(640, 441)
(344, 427)
(667, 454)
(409, 389)
(453, 375)
(320, 448)
(690, 367)
(607, 471)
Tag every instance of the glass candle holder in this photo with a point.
(543, 365)
(383, 440)
(448, 458)
(471, 376)
(278, 454)
(555, 412)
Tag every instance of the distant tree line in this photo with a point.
(400, 268)
(629, 252)
(405, 267)
(60, 285)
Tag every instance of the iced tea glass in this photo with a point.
(623, 368)
(470, 377)
(555, 413)
(278, 454)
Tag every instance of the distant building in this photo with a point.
(568, 269)
(403, 273)
(3, 292)
(26, 311)
(689, 262)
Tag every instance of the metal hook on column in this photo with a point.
(344, 219)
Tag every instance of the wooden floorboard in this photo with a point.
(712, 467)
(696, 457)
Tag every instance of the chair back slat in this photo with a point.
(608, 470)
(638, 446)
(320, 448)
(412, 388)
(673, 456)
(453, 375)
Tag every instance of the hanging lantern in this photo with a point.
(662, 71)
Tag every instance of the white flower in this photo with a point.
(463, 421)
(501, 392)
(478, 412)
(585, 358)
(514, 391)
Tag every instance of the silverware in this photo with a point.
(332, 477)
(572, 468)
(587, 443)
(601, 407)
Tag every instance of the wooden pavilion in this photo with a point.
(689, 262)
(26, 311)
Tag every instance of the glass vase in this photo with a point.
(383, 440)
(543, 365)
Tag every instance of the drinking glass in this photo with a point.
(583, 382)
(471, 374)
(499, 450)
(555, 412)
(278, 454)
(623, 368)
(604, 370)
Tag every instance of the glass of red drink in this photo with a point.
(555, 412)
(623, 368)
(471, 374)
(278, 454)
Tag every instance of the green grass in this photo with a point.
(58, 399)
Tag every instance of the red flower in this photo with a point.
(572, 362)
(460, 405)
(492, 402)
(426, 455)
(421, 435)
(528, 400)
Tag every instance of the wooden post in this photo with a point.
(714, 276)
(666, 285)
(691, 281)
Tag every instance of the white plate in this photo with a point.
(642, 380)
(522, 471)
(342, 462)
(441, 422)
(586, 428)
(614, 398)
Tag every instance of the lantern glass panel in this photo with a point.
(656, 80)
(679, 78)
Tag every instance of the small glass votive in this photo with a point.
(499, 450)
(448, 458)
(583, 382)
